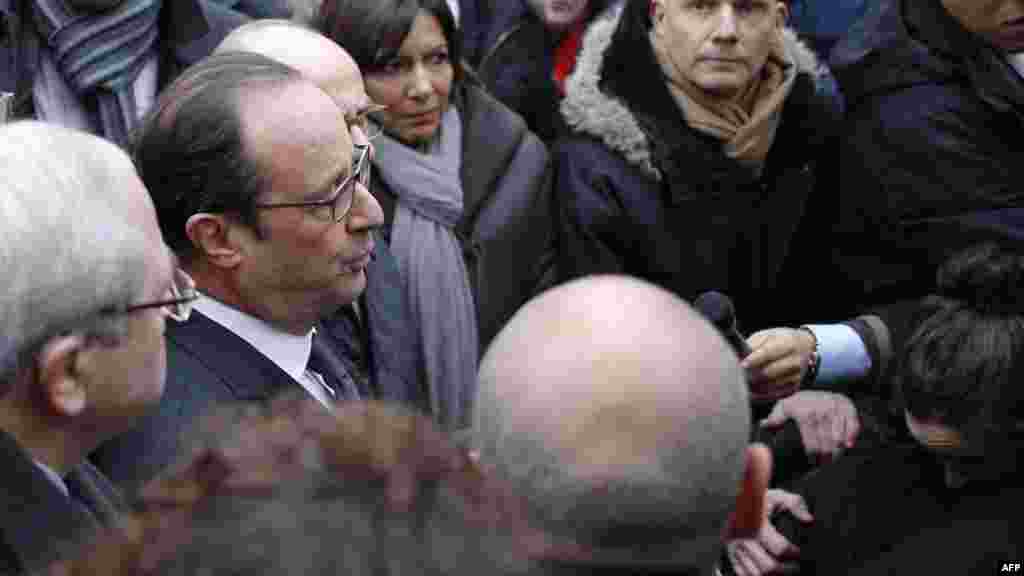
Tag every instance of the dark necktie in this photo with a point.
(324, 361)
(349, 337)
(81, 509)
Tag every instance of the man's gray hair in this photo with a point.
(67, 249)
(672, 506)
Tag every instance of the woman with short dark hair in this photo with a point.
(462, 181)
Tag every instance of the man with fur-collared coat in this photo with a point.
(701, 131)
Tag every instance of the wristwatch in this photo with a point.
(814, 363)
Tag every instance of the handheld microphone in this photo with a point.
(718, 309)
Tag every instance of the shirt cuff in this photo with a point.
(844, 356)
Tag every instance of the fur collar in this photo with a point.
(588, 110)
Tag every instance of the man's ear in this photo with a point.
(748, 515)
(60, 375)
(781, 14)
(212, 236)
(657, 16)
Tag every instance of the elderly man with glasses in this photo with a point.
(87, 284)
(264, 199)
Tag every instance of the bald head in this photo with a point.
(609, 385)
(313, 55)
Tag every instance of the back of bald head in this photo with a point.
(613, 404)
(303, 49)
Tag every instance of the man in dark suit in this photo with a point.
(261, 193)
(87, 282)
(376, 332)
(97, 65)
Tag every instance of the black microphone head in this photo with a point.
(717, 308)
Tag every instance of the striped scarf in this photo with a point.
(101, 54)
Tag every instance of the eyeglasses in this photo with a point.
(363, 122)
(177, 304)
(340, 202)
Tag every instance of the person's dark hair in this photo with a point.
(964, 365)
(190, 150)
(372, 31)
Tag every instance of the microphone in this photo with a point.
(718, 309)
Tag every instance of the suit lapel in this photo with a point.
(247, 373)
(88, 485)
(38, 522)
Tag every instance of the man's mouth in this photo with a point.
(563, 6)
(359, 263)
(722, 60)
(422, 117)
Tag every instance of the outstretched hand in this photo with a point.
(828, 422)
(770, 552)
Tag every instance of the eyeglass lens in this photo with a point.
(183, 289)
(361, 174)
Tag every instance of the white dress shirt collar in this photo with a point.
(288, 351)
(1017, 61)
(53, 477)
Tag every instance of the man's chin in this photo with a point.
(722, 87)
(350, 286)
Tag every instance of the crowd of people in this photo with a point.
(703, 287)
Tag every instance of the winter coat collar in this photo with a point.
(589, 110)
(897, 46)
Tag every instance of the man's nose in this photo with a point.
(726, 22)
(359, 136)
(366, 212)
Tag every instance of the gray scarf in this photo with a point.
(430, 258)
(101, 54)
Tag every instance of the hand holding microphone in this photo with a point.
(775, 359)
(779, 360)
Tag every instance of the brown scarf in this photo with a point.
(745, 124)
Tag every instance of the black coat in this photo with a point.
(889, 511)
(38, 523)
(517, 70)
(639, 192)
(481, 22)
(932, 159)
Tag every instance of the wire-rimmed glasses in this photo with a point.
(340, 202)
